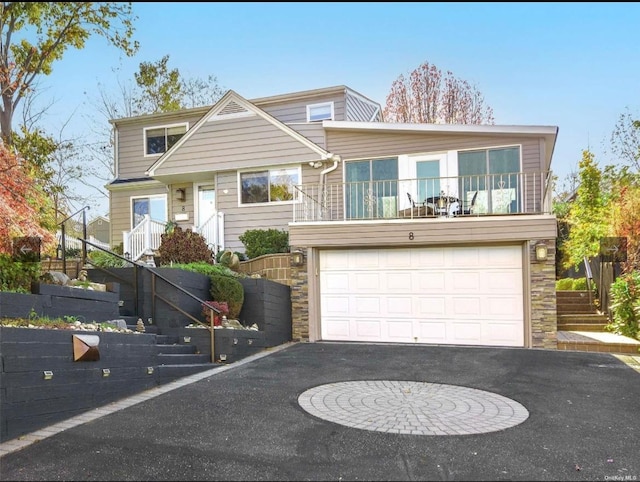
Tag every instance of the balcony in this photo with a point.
(425, 198)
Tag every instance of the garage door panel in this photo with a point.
(455, 295)
(400, 331)
(429, 281)
(334, 305)
(337, 328)
(398, 306)
(430, 307)
(366, 282)
(366, 305)
(334, 282)
(432, 331)
(368, 329)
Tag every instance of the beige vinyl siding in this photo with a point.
(358, 110)
(238, 219)
(312, 131)
(291, 112)
(361, 145)
(120, 213)
(132, 162)
(239, 143)
(424, 232)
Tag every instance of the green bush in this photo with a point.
(180, 246)
(575, 284)
(258, 242)
(17, 276)
(228, 289)
(564, 284)
(625, 305)
(209, 269)
(102, 259)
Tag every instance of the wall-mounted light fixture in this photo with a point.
(315, 164)
(186, 339)
(297, 258)
(149, 370)
(106, 372)
(541, 251)
(47, 374)
(59, 251)
(181, 194)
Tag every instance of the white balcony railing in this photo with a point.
(212, 230)
(476, 195)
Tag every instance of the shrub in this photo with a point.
(180, 246)
(579, 284)
(228, 289)
(625, 305)
(103, 259)
(221, 306)
(17, 276)
(264, 241)
(564, 284)
(208, 269)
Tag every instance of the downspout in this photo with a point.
(336, 159)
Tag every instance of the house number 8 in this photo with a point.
(411, 236)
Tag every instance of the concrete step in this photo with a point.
(582, 327)
(596, 318)
(576, 308)
(601, 342)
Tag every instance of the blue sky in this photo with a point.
(571, 65)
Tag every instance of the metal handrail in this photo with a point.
(212, 310)
(63, 236)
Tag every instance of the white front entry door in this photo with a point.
(446, 295)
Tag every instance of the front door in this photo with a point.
(206, 203)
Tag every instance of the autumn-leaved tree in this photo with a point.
(24, 207)
(428, 96)
(33, 35)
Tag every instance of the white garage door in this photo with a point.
(449, 295)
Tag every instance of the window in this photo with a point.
(320, 112)
(269, 185)
(158, 140)
(154, 206)
(494, 174)
(371, 188)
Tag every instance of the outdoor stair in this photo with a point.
(175, 359)
(581, 327)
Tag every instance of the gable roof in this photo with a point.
(229, 106)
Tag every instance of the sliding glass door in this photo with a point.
(371, 188)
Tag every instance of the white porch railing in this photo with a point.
(212, 230)
(148, 235)
(474, 195)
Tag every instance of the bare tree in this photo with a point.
(625, 140)
(427, 96)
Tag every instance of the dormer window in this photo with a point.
(320, 112)
(158, 140)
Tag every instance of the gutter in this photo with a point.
(336, 160)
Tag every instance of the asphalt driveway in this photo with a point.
(537, 415)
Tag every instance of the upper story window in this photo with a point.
(320, 112)
(268, 185)
(158, 140)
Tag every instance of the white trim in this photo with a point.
(165, 127)
(317, 106)
(125, 186)
(444, 128)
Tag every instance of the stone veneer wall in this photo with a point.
(544, 319)
(275, 267)
(300, 301)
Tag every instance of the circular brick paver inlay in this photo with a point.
(415, 408)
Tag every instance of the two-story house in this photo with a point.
(409, 233)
